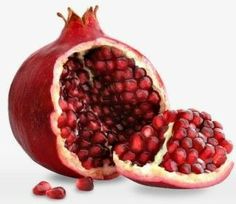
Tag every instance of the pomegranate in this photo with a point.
(56, 193)
(84, 184)
(73, 100)
(41, 188)
(179, 149)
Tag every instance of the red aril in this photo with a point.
(41, 188)
(84, 184)
(56, 193)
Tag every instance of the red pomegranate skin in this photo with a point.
(30, 103)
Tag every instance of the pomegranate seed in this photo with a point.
(84, 143)
(198, 144)
(119, 87)
(192, 156)
(41, 188)
(219, 135)
(145, 83)
(136, 143)
(158, 121)
(144, 157)
(172, 146)
(217, 125)
(62, 120)
(197, 119)
(93, 125)
(179, 155)
(208, 152)
(185, 168)
(71, 119)
(186, 143)
(129, 156)
(110, 65)
(154, 98)
(191, 132)
(88, 163)
(65, 132)
(180, 134)
(220, 157)
(152, 144)
(84, 184)
(117, 52)
(206, 116)
(208, 123)
(63, 104)
(211, 167)
(106, 52)
(170, 165)
(130, 85)
(147, 131)
(212, 141)
(141, 94)
(170, 116)
(197, 168)
(181, 123)
(121, 63)
(145, 107)
(120, 149)
(188, 115)
(227, 145)
(83, 154)
(99, 138)
(139, 73)
(127, 96)
(100, 66)
(56, 193)
(95, 150)
(208, 132)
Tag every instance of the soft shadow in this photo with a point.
(116, 180)
(164, 192)
(61, 178)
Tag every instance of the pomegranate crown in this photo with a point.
(84, 25)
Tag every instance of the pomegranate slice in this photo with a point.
(179, 149)
(74, 99)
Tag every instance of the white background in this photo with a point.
(193, 44)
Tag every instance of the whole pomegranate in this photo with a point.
(74, 99)
(88, 105)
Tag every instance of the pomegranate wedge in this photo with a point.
(179, 149)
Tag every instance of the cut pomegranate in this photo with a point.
(56, 193)
(41, 188)
(189, 152)
(84, 184)
(73, 100)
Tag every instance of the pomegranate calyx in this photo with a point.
(86, 25)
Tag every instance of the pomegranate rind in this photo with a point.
(33, 108)
(154, 175)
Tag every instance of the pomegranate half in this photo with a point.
(74, 99)
(179, 149)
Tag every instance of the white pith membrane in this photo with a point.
(67, 157)
(154, 174)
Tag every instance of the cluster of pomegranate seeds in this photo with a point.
(44, 188)
(142, 146)
(84, 184)
(105, 98)
(197, 144)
